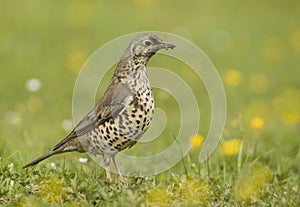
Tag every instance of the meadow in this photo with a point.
(255, 47)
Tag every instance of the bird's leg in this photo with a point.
(107, 171)
(121, 178)
(106, 167)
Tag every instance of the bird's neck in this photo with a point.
(131, 67)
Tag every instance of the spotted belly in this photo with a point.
(122, 131)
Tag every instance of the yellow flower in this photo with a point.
(233, 77)
(52, 189)
(196, 141)
(231, 147)
(294, 38)
(76, 60)
(291, 117)
(250, 184)
(183, 192)
(158, 196)
(34, 103)
(273, 49)
(194, 192)
(287, 104)
(257, 122)
(79, 13)
(258, 108)
(258, 83)
(144, 4)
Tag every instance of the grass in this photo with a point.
(255, 48)
(85, 185)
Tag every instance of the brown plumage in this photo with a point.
(124, 112)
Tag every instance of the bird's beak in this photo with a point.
(166, 45)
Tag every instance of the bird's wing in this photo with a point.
(114, 101)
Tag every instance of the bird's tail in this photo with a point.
(41, 158)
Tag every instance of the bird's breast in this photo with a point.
(138, 114)
(131, 123)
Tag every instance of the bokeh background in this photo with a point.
(255, 46)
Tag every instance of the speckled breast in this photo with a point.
(126, 129)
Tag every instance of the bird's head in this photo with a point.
(146, 45)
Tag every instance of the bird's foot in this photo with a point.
(122, 179)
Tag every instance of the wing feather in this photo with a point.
(114, 101)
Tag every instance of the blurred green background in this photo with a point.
(254, 45)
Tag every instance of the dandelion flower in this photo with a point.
(231, 147)
(249, 186)
(273, 49)
(258, 83)
(34, 104)
(79, 13)
(291, 117)
(144, 4)
(52, 189)
(196, 141)
(294, 38)
(233, 78)
(257, 123)
(75, 61)
(194, 192)
(158, 196)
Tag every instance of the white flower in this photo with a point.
(33, 85)
(10, 167)
(12, 117)
(67, 124)
(83, 160)
(52, 164)
(12, 182)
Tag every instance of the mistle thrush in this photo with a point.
(124, 112)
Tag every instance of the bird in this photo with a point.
(124, 112)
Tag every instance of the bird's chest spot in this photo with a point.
(141, 110)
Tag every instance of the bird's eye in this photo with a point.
(147, 43)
